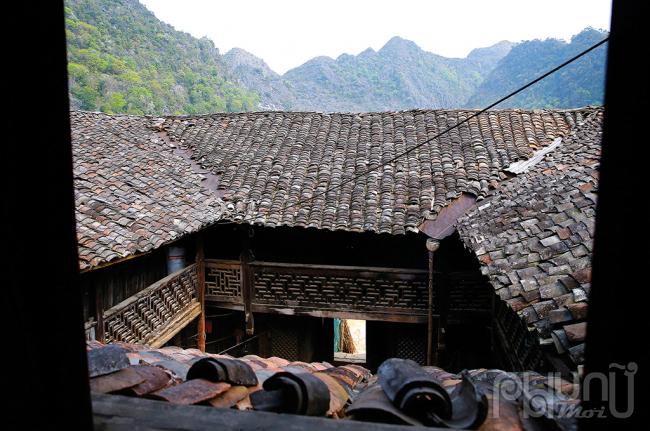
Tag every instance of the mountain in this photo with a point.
(403, 76)
(399, 76)
(579, 84)
(275, 93)
(488, 58)
(121, 58)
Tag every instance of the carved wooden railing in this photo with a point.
(222, 281)
(155, 314)
(398, 294)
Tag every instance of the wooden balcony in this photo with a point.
(368, 293)
(155, 314)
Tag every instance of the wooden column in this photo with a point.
(442, 297)
(247, 281)
(99, 314)
(200, 278)
(432, 246)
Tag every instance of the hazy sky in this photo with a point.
(286, 33)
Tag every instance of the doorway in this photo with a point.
(349, 341)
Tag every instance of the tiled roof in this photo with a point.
(140, 183)
(534, 237)
(133, 191)
(162, 374)
(176, 362)
(271, 161)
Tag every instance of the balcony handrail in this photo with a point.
(263, 264)
(156, 313)
(146, 292)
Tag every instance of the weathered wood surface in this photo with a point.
(145, 292)
(445, 222)
(154, 315)
(337, 268)
(120, 413)
(99, 313)
(430, 309)
(117, 282)
(200, 287)
(222, 263)
(247, 282)
(175, 326)
(384, 316)
(223, 281)
(368, 293)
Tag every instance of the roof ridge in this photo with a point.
(588, 108)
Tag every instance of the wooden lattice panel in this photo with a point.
(321, 288)
(519, 343)
(140, 318)
(222, 281)
(469, 292)
(340, 288)
(412, 346)
(285, 341)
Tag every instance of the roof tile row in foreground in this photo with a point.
(161, 374)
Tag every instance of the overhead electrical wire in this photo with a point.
(448, 129)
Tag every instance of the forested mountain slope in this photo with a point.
(123, 59)
(579, 84)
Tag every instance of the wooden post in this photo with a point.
(432, 246)
(99, 314)
(247, 281)
(200, 278)
(442, 296)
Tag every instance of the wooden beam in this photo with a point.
(445, 222)
(222, 263)
(342, 314)
(217, 303)
(200, 278)
(385, 315)
(331, 269)
(117, 412)
(115, 261)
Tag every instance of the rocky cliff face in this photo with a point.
(399, 76)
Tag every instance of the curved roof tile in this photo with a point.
(534, 237)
